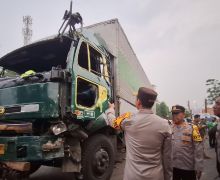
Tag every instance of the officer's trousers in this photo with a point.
(212, 140)
(180, 174)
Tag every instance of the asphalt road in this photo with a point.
(51, 173)
(210, 172)
(48, 173)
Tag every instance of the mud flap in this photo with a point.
(72, 159)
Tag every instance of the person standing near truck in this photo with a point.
(187, 147)
(147, 137)
(201, 127)
(202, 130)
(212, 133)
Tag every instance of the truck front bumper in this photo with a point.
(30, 148)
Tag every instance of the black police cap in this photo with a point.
(196, 116)
(178, 109)
(147, 95)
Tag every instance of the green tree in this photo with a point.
(158, 109)
(213, 90)
(162, 110)
(188, 114)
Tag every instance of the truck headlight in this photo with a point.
(59, 128)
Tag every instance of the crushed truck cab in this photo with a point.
(53, 98)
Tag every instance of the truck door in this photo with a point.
(91, 87)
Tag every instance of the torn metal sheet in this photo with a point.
(52, 146)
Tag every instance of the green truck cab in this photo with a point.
(55, 105)
(53, 98)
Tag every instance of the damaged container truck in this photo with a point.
(53, 98)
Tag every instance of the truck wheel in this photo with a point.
(98, 158)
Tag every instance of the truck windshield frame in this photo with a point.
(7, 73)
(39, 57)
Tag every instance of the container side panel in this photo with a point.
(129, 73)
(126, 107)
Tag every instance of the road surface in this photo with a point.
(48, 173)
(210, 172)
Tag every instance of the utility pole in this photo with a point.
(27, 29)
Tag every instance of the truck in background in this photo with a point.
(53, 98)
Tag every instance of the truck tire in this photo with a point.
(98, 158)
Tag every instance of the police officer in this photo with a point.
(202, 127)
(217, 113)
(148, 140)
(202, 130)
(187, 147)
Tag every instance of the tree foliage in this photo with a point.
(213, 90)
(162, 110)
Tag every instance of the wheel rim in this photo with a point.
(100, 162)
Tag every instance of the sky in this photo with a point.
(177, 42)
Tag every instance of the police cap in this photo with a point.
(196, 116)
(147, 96)
(177, 109)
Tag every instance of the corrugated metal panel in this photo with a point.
(130, 74)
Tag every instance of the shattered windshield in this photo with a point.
(39, 57)
(7, 73)
(1, 71)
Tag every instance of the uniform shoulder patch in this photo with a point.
(117, 122)
(196, 134)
